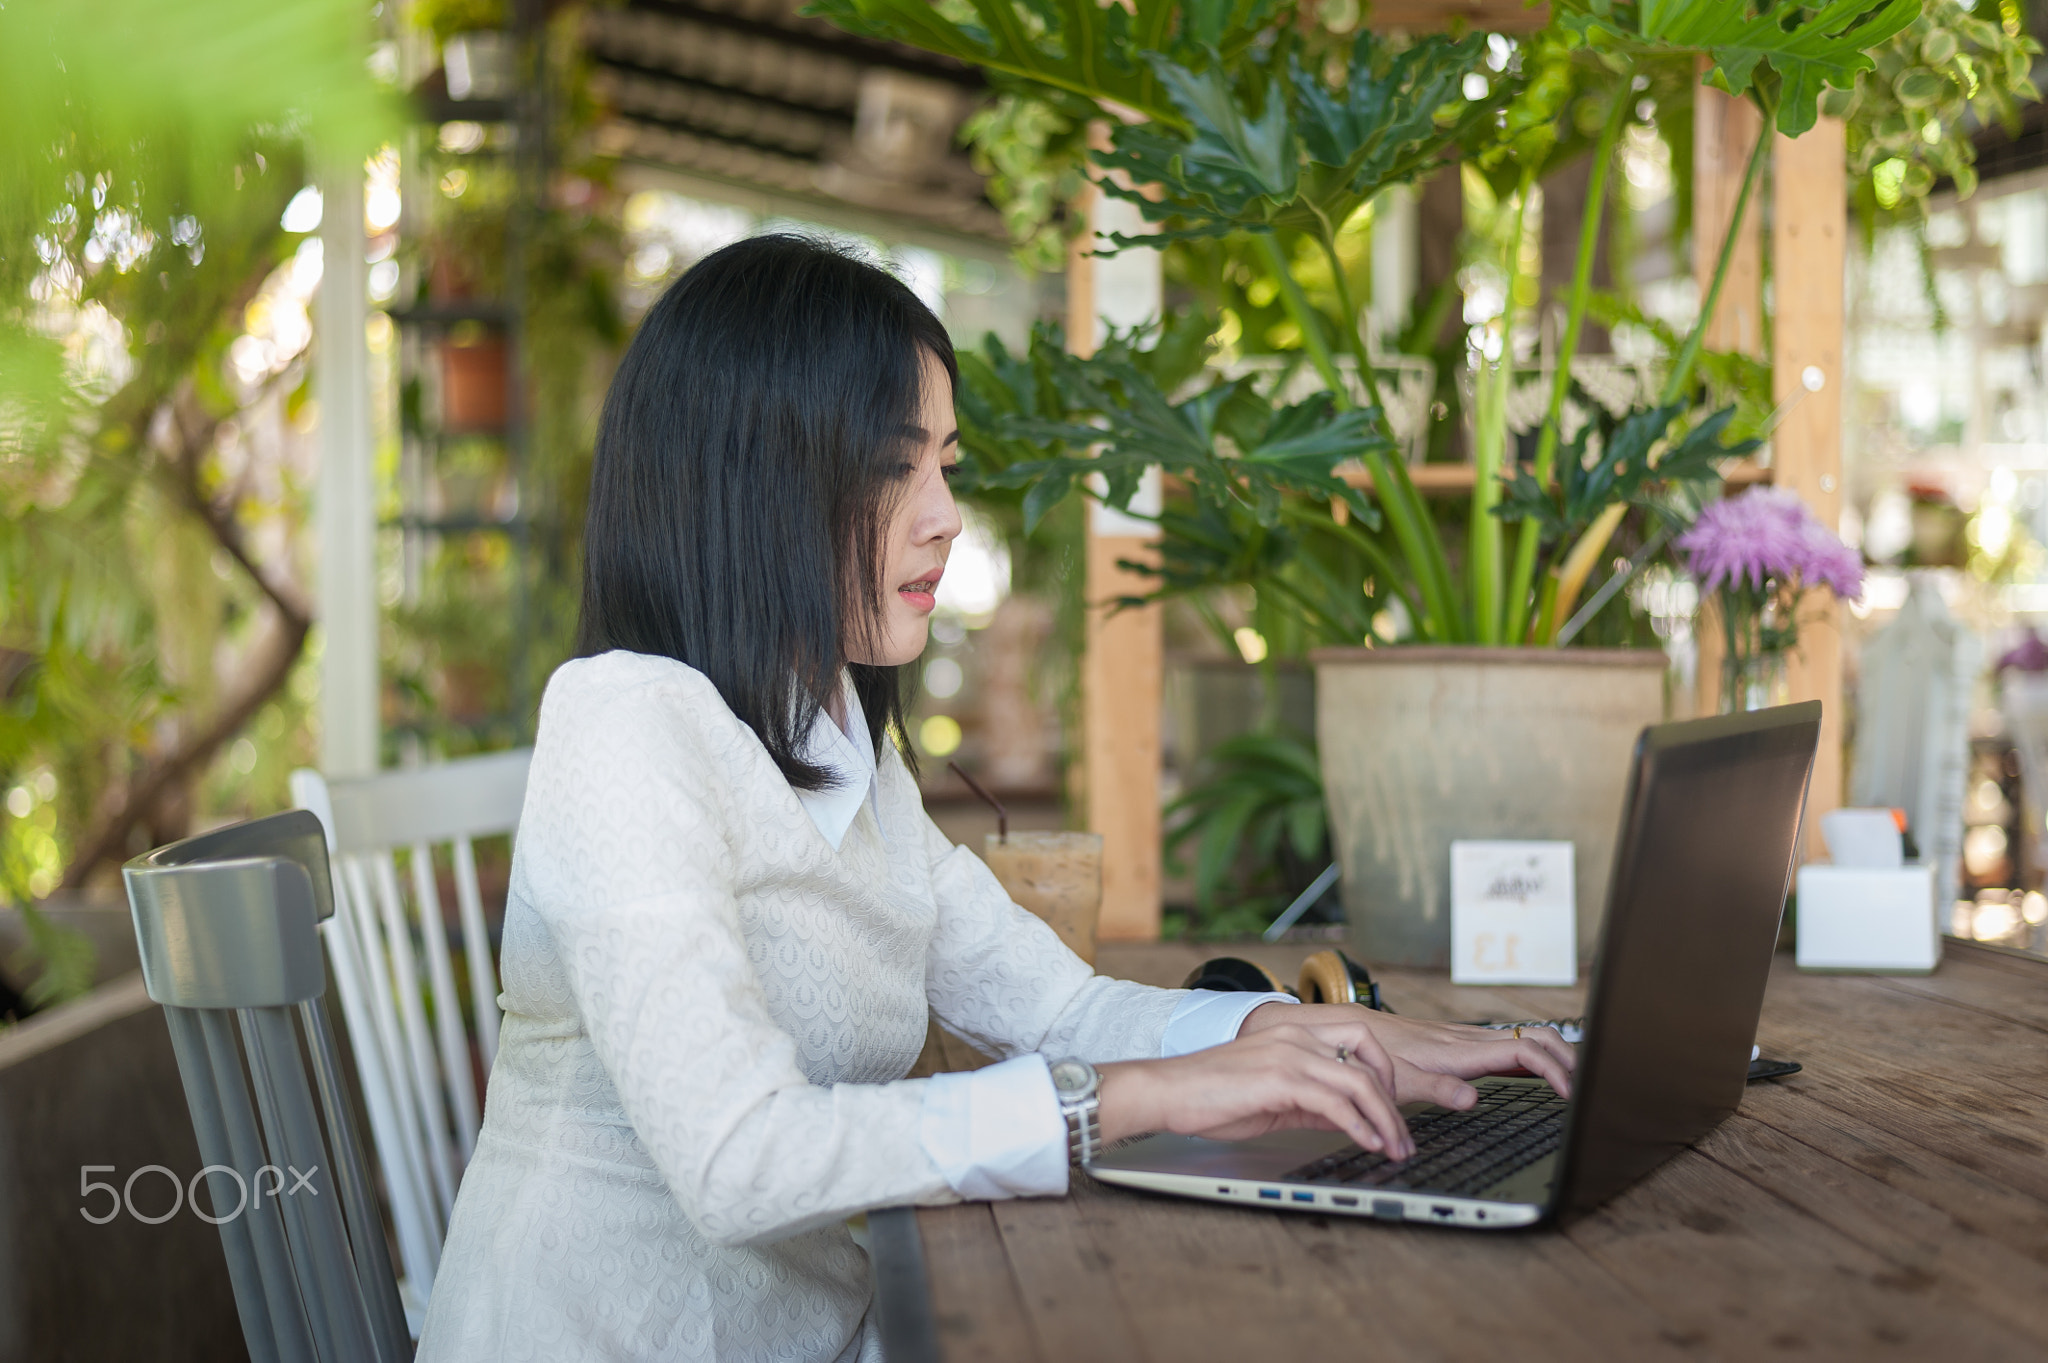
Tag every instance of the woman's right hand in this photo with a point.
(1283, 1077)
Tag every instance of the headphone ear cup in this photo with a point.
(1234, 975)
(1326, 977)
(1363, 988)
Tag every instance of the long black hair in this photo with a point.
(752, 449)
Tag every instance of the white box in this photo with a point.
(1864, 918)
(1513, 913)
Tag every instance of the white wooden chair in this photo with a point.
(405, 1020)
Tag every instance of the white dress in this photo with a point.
(709, 1011)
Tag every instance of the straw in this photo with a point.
(1002, 815)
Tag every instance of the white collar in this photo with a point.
(848, 757)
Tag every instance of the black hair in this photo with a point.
(750, 454)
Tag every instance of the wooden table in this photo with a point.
(1889, 1202)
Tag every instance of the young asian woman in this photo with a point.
(730, 917)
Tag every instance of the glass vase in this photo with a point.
(1757, 638)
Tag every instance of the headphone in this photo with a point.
(1329, 976)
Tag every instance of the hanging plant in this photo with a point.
(1911, 116)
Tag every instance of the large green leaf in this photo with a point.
(1807, 46)
(1257, 789)
(1271, 145)
(1625, 460)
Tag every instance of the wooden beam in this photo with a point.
(1809, 229)
(1725, 130)
(1123, 663)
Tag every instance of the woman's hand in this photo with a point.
(1430, 1060)
(1327, 1073)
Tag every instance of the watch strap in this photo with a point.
(1084, 1130)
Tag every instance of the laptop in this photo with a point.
(1709, 831)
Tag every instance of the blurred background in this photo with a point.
(248, 254)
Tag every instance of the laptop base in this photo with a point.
(1262, 1173)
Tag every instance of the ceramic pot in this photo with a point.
(1424, 745)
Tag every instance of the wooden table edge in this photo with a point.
(903, 1299)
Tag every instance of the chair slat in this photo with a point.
(412, 1014)
(334, 1299)
(456, 1074)
(287, 1311)
(384, 1012)
(476, 949)
(417, 1243)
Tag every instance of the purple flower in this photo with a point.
(2029, 655)
(1767, 532)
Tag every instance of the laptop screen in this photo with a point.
(1708, 838)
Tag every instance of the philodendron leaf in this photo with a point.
(1228, 138)
(1387, 103)
(1282, 146)
(1628, 460)
(1047, 492)
(1809, 46)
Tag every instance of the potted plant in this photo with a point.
(1255, 130)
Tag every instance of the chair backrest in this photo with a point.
(395, 974)
(227, 927)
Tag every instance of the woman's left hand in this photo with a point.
(1425, 1053)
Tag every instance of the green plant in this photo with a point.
(1238, 122)
(1910, 116)
(1260, 803)
(145, 619)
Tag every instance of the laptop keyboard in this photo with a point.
(1510, 1127)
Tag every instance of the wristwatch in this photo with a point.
(1076, 1083)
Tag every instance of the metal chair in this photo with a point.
(404, 1015)
(227, 927)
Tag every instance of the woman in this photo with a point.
(729, 914)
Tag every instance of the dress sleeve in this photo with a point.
(1001, 978)
(629, 864)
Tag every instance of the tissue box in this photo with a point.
(1866, 918)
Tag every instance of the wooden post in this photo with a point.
(1725, 130)
(1809, 229)
(345, 517)
(1122, 668)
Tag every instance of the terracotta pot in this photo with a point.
(1424, 745)
(473, 387)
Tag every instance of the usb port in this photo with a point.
(1442, 1210)
(1343, 1200)
(1304, 1197)
(1273, 1193)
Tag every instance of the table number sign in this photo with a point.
(1512, 919)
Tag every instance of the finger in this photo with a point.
(1320, 1106)
(1372, 1101)
(1360, 1047)
(1541, 1062)
(1548, 1038)
(1431, 1086)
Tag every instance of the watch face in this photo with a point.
(1073, 1076)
